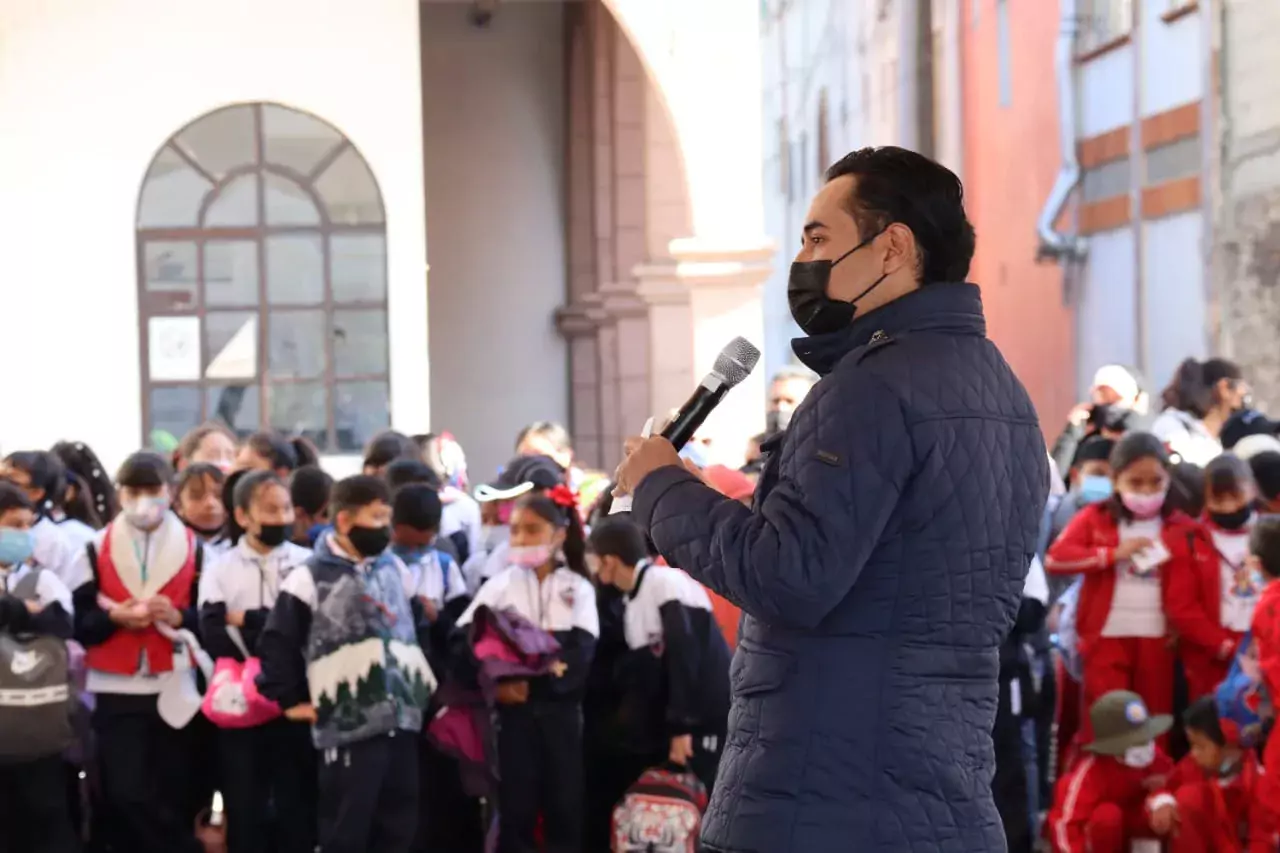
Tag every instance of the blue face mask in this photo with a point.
(314, 531)
(1095, 488)
(15, 546)
(410, 553)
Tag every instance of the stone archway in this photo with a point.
(667, 246)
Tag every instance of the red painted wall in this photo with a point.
(1011, 159)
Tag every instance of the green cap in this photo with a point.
(1121, 721)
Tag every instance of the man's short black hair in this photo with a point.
(404, 472)
(1266, 473)
(355, 493)
(417, 505)
(46, 471)
(145, 470)
(618, 536)
(896, 185)
(12, 497)
(309, 489)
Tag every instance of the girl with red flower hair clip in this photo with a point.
(540, 718)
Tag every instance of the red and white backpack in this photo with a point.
(660, 813)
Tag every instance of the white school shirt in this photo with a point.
(1238, 601)
(460, 512)
(54, 549)
(1137, 608)
(659, 585)
(430, 581)
(564, 601)
(483, 566)
(243, 579)
(49, 587)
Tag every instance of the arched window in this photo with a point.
(262, 281)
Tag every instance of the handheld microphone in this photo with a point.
(734, 364)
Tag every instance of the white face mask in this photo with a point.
(146, 513)
(1140, 756)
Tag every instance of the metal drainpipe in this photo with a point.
(1054, 245)
(1137, 177)
(1212, 101)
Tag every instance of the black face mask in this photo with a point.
(1232, 520)
(206, 532)
(370, 541)
(272, 535)
(814, 311)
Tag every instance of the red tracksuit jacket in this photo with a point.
(1266, 637)
(1238, 815)
(1088, 547)
(1193, 606)
(1096, 780)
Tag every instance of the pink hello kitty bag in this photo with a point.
(232, 700)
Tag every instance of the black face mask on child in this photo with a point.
(1232, 520)
(370, 541)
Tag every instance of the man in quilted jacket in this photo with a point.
(883, 560)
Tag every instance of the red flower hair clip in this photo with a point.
(563, 496)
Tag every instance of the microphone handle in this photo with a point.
(693, 413)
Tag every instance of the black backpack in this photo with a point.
(36, 699)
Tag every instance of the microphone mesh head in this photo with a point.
(736, 360)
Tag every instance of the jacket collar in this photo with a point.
(951, 308)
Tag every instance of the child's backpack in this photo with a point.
(1242, 698)
(660, 813)
(35, 690)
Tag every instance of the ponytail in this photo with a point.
(1195, 385)
(96, 502)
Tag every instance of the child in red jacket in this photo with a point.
(1100, 805)
(1127, 547)
(1212, 802)
(1264, 562)
(1211, 605)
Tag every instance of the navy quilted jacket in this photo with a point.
(879, 570)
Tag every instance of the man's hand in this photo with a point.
(1080, 414)
(133, 615)
(681, 750)
(162, 610)
(304, 713)
(513, 692)
(1164, 820)
(644, 456)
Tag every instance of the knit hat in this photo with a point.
(1121, 721)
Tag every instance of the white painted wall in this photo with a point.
(1106, 320)
(1174, 302)
(1105, 92)
(494, 114)
(88, 92)
(1172, 59)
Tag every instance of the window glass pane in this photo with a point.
(295, 342)
(235, 405)
(173, 349)
(349, 190)
(296, 139)
(287, 204)
(231, 272)
(231, 344)
(171, 193)
(173, 412)
(169, 276)
(300, 409)
(359, 342)
(236, 205)
(295, 270)
(359, 263)
(220, 141)
(360, 410)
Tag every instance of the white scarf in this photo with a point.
(146, 561)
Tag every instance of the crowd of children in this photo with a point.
(226, 649)
(1163, 611)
